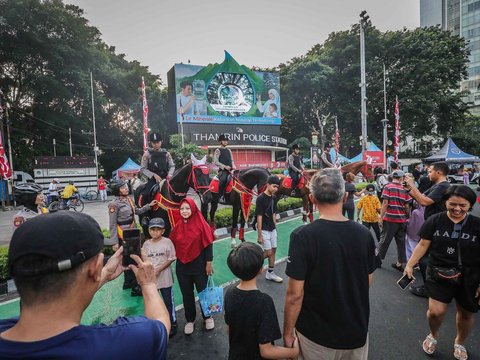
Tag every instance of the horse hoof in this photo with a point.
(233, 243)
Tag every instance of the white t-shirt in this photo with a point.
(159, 252)
(53, 189)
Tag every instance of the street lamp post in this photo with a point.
(384, 120)
(363, 82)
(95, 147)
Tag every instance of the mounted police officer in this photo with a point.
(326, 157)
(295, 167)
(157, 163)
(31, 197)
(224, 160)
(122, 212)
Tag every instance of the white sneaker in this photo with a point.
(273, 277)
(189, 327)
(233, 243)
(209, 324)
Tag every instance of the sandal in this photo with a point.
(460, 352)
(429, 345)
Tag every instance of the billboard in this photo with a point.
(226, 93)
(205, 134)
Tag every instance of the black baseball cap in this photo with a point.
(70, 238)
(156, 222)
(273, 180)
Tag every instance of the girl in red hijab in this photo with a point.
(193, 241)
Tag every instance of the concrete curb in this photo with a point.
(224, 231)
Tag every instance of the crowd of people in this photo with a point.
(330, 268)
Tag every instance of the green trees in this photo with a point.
(424, 66)
(47, 50)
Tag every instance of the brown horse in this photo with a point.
(304, 192)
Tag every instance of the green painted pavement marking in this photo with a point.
(111, 301)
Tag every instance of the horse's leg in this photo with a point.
(310, 207)
(241, 233)
(305, 208)
(213, 208)
(235, 211)
(204, 208)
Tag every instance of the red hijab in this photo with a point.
(190, 236)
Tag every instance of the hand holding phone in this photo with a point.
(132, 245)
(404, 281)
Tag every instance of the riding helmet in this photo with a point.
(222, 138)
(155, 137)
(115, 186)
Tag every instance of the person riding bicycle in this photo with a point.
(157, 163)
(122, 212)
(32, 199)
(223, 158)
(295, 167)
(68, 192)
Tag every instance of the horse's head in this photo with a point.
(199, 178)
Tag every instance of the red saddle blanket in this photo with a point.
(215, 183)
(287, 183)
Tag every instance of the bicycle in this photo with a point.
(90, 195)
(74, 203)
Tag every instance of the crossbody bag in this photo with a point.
(451, 275)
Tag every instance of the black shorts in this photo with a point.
(463, 293)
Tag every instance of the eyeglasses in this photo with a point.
(457, 228)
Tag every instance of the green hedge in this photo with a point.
(223, 217)
(277, 171)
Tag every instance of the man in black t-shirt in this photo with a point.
(266, 212)
(432, 199)
(330, 268)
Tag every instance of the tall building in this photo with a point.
(462, 17)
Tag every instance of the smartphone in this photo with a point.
(404, 281)
(132, 245)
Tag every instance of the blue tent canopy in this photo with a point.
(342, 158)
(359, 157)
(451, 153)
(129, 166)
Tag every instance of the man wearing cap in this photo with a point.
(223, 158)
(57, 274)
(266, 212)
(122, 212)
(295, 167)
(53, 190)
(157, 163)
(326, 157)
(393, 216)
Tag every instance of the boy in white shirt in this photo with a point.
(161, 253)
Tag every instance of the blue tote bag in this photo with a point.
(211, 298)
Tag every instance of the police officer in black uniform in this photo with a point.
(326, 158)
(295, 167)
(224, 160)
(157, 163)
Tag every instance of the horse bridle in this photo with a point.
(192, 177)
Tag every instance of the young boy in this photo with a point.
(250, 314)
(370, 206)
(161, 252)
(266, 211)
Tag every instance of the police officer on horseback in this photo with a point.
(326, 158)
(295, 167)
(31, 197)
(224, 160)
(122, 212)
(157, 163)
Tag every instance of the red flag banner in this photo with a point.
(396, 140)
(145, 117)
(5, 169)
(337, 144)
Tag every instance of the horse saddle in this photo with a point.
(287, 182)
(215, 183)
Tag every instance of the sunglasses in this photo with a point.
(457, 228)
